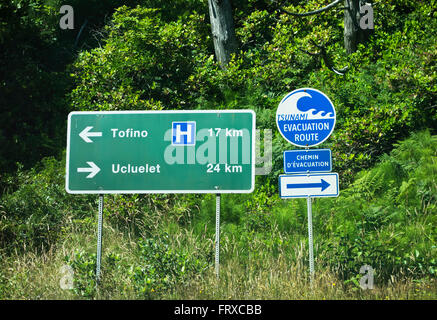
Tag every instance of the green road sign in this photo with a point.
(209, 151)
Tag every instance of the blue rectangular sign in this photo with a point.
(304, 161)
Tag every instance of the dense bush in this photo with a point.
(34, 82)
(387, 217)
(32, 85)
(83, 271)
(160, 268)
(143, 65)
(34, 215)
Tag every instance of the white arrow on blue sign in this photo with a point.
(310, 160)
(305, 117)
(308, 185)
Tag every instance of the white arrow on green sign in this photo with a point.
(86, 134)
(93, 169)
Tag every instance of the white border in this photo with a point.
(159, 191)
(308, 150)
(310, 195)
(312, 145)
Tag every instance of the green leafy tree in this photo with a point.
(32, 84)
(144, 63)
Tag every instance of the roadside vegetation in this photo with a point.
(161, 246)
(146, 55)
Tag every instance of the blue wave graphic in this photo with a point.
(313, 103)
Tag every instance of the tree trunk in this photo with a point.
(223, 30)
(352, 31)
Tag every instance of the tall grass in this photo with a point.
(162, 247)
(35, 276)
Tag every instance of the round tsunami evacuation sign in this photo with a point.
(305, 117)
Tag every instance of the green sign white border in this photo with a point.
(67, 166)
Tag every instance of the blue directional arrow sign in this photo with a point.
(310, 160)
(308, 185)
(322, 185)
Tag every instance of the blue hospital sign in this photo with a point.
(305, 117)
(184, 133)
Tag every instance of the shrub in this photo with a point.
(33, 216)
(143, 64)
(387, 217)
(161, 267)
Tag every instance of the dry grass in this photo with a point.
(278, 280)
(259, 277)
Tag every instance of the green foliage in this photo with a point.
(143, 64)
(160, 267)
(159, 55)
(389, 93)
(28, 214)
(83, 266)
(84, 273)
(32, 217)
(32, 85)
(387, 217)
(173, 10)
(33, 78)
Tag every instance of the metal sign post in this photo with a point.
(310, 237)
(217, 235)
(99, 238)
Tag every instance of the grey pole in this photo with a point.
(310, 236)
(99, 237)
(217, 234)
